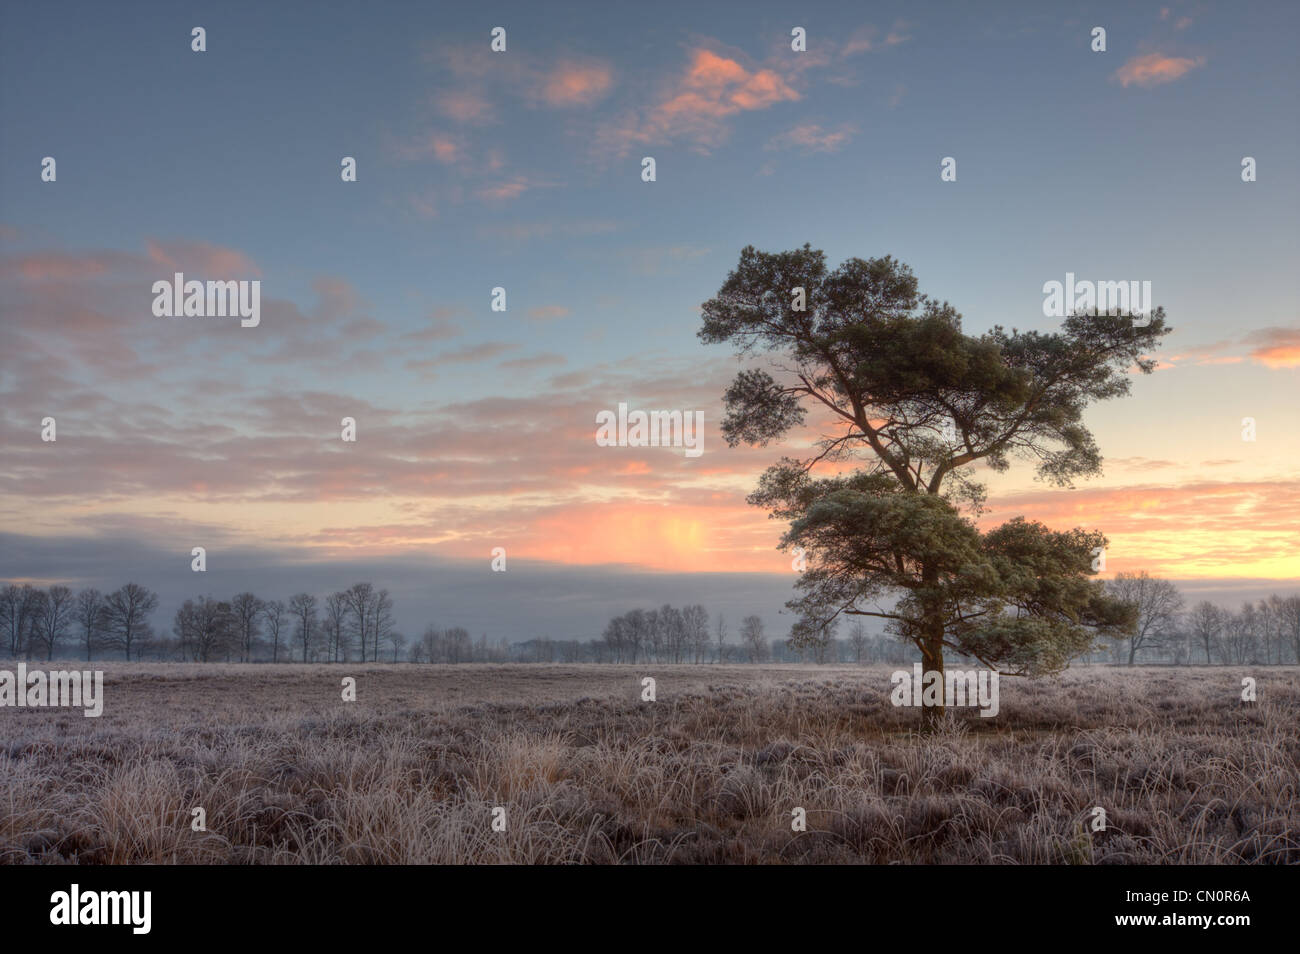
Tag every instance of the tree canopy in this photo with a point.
(886, 504)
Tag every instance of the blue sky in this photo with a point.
(522, 169)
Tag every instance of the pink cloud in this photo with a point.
(42, 266)
(200, 257)
(861, 40)
(575, 84)
(464, 106)
(433, 145)
(510, 189)
(1153, 69)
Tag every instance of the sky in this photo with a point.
(522, 169)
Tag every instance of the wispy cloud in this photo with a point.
(528, 231)
(1276, 347)
(868, 37)
(511, 188)
(811, 137)
(1153, 69)
(443, 147)
(577, 84)
(464, 106)
(547, 312)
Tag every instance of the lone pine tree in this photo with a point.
(891, 530)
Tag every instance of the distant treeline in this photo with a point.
(357, 625)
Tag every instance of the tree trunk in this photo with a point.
(932, 661)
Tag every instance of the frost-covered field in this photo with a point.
(287, 772)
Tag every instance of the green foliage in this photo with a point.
(917, 402)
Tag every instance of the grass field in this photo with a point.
(287, 772)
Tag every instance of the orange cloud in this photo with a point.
(713, 88)
(1280, 357)
(1276, 347)
(574, 84)
(1152, 69)
(1203, 529)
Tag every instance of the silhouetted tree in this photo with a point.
(751, 636)
(18, 604)
(205, 628)
(247, 610)
(1205, 622)
(128, 611)
(336, 624)
(303, 608)
(858, 640)
(91, 616)
(54, 611)
(275, 613)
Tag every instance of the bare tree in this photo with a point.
(1271, 627)
(1239, 636)
(397, 641)
(303, 608)
(654, 635)
(638, 633)
(336, 624)
(248, 610)
(1158, 603)
(674, 632)
(54, 608)
(696, 620)
(751, 635)
(361, 599)
(822, 643)
(18, 605)
(616, 637)
(129, 609)
(722, 638)
(858, 640)
(91, 617)
(275, 614)
(206, 628)
(1205, 621)
(459, 648)
(1290, 612)
(381, 620)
